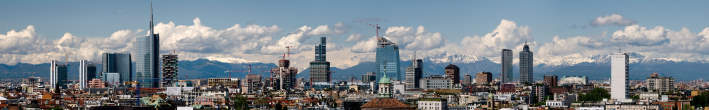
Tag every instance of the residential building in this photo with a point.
(483, 78)
(453, 73)
(432, 104)
(656, 83)
(551, 80)
(283, 76)
(169, 69)
(619, 76)
(467, 80)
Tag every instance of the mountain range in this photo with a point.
(597, 69)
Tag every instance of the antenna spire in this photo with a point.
(151, 19)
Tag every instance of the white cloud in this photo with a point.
(637, 35)
(613, 19)
(353, 37)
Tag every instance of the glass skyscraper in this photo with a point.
(118, 63)
(387, 59)
(526, 66)
(147, 58)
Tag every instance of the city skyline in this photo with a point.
(614, 61)
(589, 35)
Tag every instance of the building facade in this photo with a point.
(414, 74)
(387, 59)
(483, 78)
(87, 71)
(252, 84)
(551, 80)
(320, 68)
(619, 76)
(369, 77)
(118, 63)
(283, 77)
(169, 70)
(656, 83)
(526, 65)
(58, 75)
(507, 75)
(147, 58)
(453, 73)
(436, 82)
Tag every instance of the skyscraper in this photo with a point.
(147, 64)
(453, 73)
(387, 58)
(58, 75)
(118, 63)
(619, 76)
(283, 77)
(169, 69)
(87, 71)
(507, 75)
(526, 65)
(320, 68)
(414, 74)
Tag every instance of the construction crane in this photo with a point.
(376, 27)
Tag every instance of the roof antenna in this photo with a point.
(151, 19)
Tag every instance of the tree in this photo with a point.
(597, 94)
(701, 100)
(239, 102)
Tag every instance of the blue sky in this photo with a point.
(454, 20)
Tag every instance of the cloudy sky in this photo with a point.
(560, 32)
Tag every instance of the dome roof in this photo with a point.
(384, 79)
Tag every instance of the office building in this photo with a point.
(483, 78)
(118, 63)
(414, 74)
(147, 58)
(526, 65)
(169, 70)
(619, 76)
(87, 71)
(659, 84)
(432, 104)
(369, 77)
(58, 75)
(453, 73)
(320, 68)
(436, 82)
(467, 80)
(507, 75)
(112, 79)
(551, 80)
(387, 58)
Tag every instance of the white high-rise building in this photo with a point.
(83, 69)
(619, 76)
(53, 73)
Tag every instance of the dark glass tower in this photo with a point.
(507, 75)
(320, 68)
(414, 74)
(117, 63)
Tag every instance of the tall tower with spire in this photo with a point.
(147, 57)
(526, 65)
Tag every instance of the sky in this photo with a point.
(559, 31)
